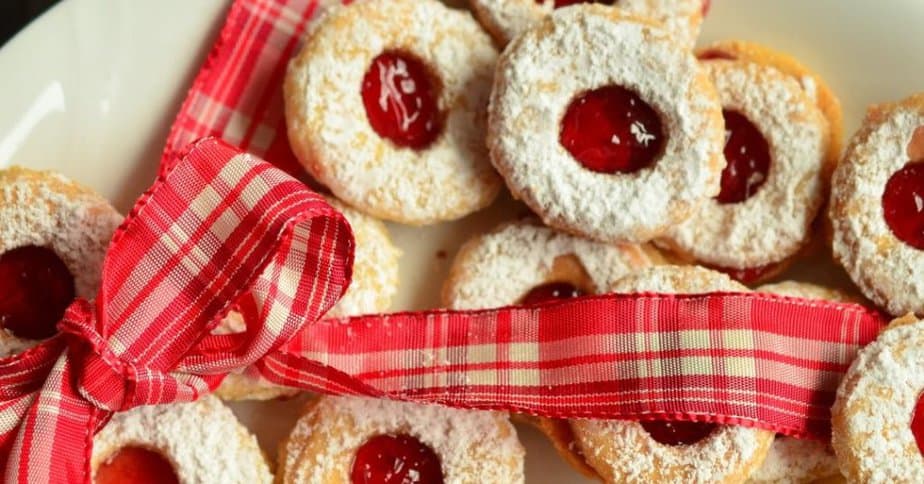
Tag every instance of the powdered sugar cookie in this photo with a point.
(877, 207)
(793, 461)
(352, 440)
(628, 127)
(877, 419)
(374, 284)
(505, 19)
(524, 262)
(53, 238)
(385, 104)
(627, 451)
(773, 185)
(199, 442)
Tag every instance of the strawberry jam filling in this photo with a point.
(35, 289)
(553, 291)
(678, 433)
(746, 276)
(400, 98)
(748, 157)
(715, 54)
(395, 459)
(136, 465)
(917, 424)
(903, 204)
(565, 3)
(612, 130)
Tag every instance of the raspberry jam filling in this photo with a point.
(395, 459)
(678, 433)
(612, 130)
(138, 466)
(553, 291)
(748, 157)
(400, 98)
(715, 54)
(917, 423)
(903, 204)
(746, 276)
(35, 289)
(565, 3)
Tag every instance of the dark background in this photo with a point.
(15, 14)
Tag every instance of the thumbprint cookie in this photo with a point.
(526, 263)
(505, 19)
(53, 238)
(799, 460)
(385, 105)
(199, 442)
(878, 417)
(617, 141)
(877, 207)
(773, 186)
(374, 284)
(359, 440)
(660, 451)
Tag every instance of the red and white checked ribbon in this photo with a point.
(219, 226)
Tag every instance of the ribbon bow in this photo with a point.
(219, 226)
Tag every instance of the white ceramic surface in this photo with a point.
(90, 89)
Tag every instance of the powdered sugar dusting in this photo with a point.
(775, 222)
(875, 403)
(498, 268)
(887, 270)
(203, 440)
(48, 210)
(535, 84)
(473, 446)
(330, 133)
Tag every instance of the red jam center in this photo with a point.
(903, 204)
(678, 433)
(917, 424)
(136, 465)
(714, 54)
(401, 100)
(395, 459)
(746, 276)
(565, 3)
(611, 129)
(35, 289)
(748, 157)
(552, 291)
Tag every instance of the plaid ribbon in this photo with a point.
(217, 227)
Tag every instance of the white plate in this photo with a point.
(91, 87)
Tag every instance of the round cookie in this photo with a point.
(346, 439)
(198, 442)
(385, 105)
(630, 119)
(799, 460)
(877, 419)
(53, 239)
(374, 284)
(627, 451)
(505, 19)
(877, 207)
(525, 262)
(773, 186)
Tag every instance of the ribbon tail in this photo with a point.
(57, 414)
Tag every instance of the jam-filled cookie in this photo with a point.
(799, 460)
(199, 442)
(53, 238)
(618, 140)
(505, 19)
(385, 104)
(524, 262)
(773, 185)
(374, 284)
(358, 440)
(878, 418)
(658, 451)
(877, 207)
(815, 87)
